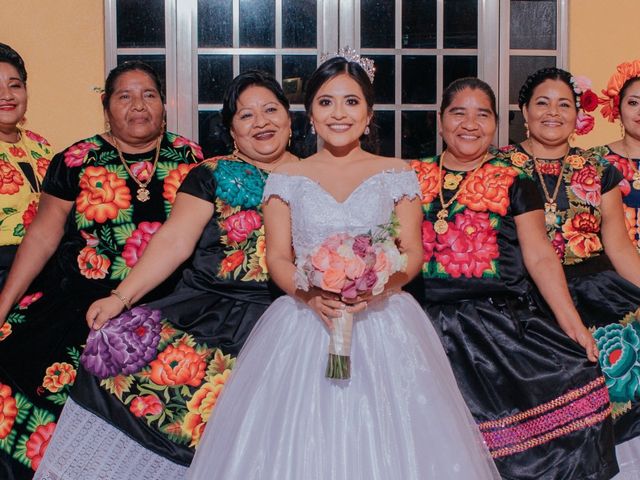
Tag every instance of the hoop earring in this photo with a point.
(313, 129)
(367, 131)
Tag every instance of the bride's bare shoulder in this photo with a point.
(391, 163)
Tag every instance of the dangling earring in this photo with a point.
(313, 129)
(526, 128)
(289, 142)
(622, 130)
(163, 128)
(107, 127)
(367, 131)
(235, 152)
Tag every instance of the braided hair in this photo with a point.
(535, 79)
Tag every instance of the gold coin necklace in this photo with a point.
(550, 204)
(632, 164)
(142, 193)
(441, 226)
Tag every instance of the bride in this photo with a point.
(400, 416)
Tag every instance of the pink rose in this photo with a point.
(75, 155)
(367, 280)
(354, 267)
(584, 123)
(29, 299)
(182, 141)
(350, 290)
(35, 137)
(558, 245)
(361, 245)
(321, 259)
(428, 240)
(334, 241)
(382, 263)
(137, 243)
(240, 225)
(585, 184)
(145, 405)
(142, 170)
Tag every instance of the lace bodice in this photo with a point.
(316, 214)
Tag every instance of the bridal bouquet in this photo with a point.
(350, 266)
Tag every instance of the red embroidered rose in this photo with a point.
(102, 195)
(58, 375)
(240, 225)
(468, 246)
(136, 244)
(429, 178)
(588, 101)
(144, 405)
(38, 443)
(29, 214)
(142, 170)
(581, 232)
(622, 164)
(549, 168)
(75, 155)
(558, 245)
(10, 179)
(93, 265)
(29, 299)
(179, 365)
(488, 189)
(35, 137)
(42, 164)
(195, 148)
(173, 181)
(17, 152)
(231, 262)
(8, 410)
(428, 240)
(585, 184)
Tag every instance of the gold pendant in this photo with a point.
(550, 216)
(452, 180)
(636, 181)
(441, 226)
(143, 194)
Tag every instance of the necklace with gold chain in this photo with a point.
(142, 193)
(636, 174)
(441, 226)
(550, 205)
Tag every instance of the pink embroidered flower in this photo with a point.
(35, 137)
(142, 170)
(29, 214)
(144, 405)
(584, 123)
(136, 244)
(240, 225)
(558, 245)
(428, 240)
(75, 155)
(182, 141)
(585, 184)
(29, 299)
(38, 443)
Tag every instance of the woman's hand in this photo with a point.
(103, 310)
(585, 339)
(361, 302)
(327, 305)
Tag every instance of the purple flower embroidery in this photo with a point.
(124, 345)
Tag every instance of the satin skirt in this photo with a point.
(400, 415)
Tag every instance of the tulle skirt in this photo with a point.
(400, 416)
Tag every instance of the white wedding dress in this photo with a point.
(399, 417)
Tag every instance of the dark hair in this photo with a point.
(623, 91)
(542, 75)
(10, 56)
(129, 66)
(240, 84)
(471, 83)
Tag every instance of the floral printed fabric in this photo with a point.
(19, 198)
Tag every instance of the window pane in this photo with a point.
(296, 70)
(303, 143)
(377, 24)
(460, 23)
(140, 24)
(215, 23)
(418, 79)
(215, 72)
(419, 24)
(257, 23)
(533, 24)
(264, 63)
(385, 79)
(520, 68)
(418, 134)
(517, 132)
(157, 62)
(458, 67)
(213, 137)
(299, 25)
(385, 127)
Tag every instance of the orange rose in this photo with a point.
(58, 375)
(321, 259)
(179, 365)
(103, 194)
(581, 232)
(41, 165)
(630, 221)
(519, 159)
(429, 178)
(488, 189)
(173, 181)
(10, 179)
(5, 331)
(93, 265)
(576, 161)
(333, 280)
(201, 406)
(17, 152)
(8, 410)
(261, 252)
(231, 262)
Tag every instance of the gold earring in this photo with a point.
(235, 152)
(107, 126)
(526, 128)
(622, 130)
(289, 142)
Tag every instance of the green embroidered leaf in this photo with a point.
(6, 444)
(16, 318)
(171, 153)
(106, 239)
(492, 271)
(19, 230)
(58, 398)
(82, 222)
(495, 221)
(20, 453)
(74, 353)
(35, 155)
(118, 169)
(164, 168)
(456, 208)
(4, 156)
(118, 385)
(122, 232)
(167, 208)
(119, 269)
(40, 416)
(9, 210)
(124, 216)
(439, 271)
(23, 405)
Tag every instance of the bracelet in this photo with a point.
(125, 301)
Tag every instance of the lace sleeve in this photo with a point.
(403, 185)
(278, 185)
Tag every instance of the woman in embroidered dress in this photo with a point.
(539, 399)
(150, 377)
(400, 416)
(585, 224)
(24, 158)
(103, 199)
(621, 101)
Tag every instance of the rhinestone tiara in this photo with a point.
(350, 55)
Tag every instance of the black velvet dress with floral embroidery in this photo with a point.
(107, 230)
(541, 406)
(162, 397)
(608, 304)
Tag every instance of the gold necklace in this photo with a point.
(632, 165)
(440, 225)
(551, 205)
(142, 193)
